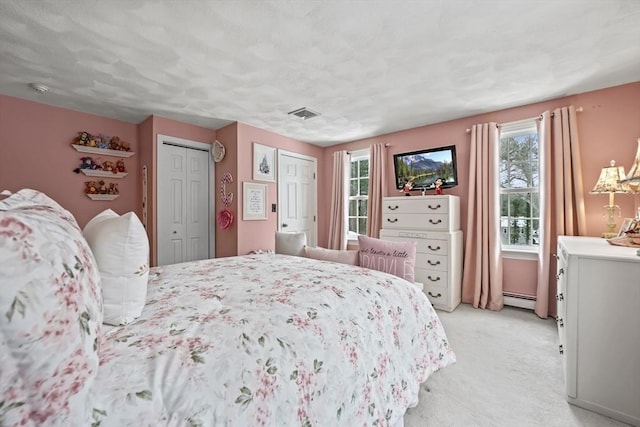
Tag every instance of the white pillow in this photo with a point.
(121, 248)
(290, 243)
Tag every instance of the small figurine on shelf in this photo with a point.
(108, 166)
(87, 163)
(408, 186)
(113, 189)
(82, 138)
(120, 166)
(103, 141)
(102, 187)
(115, 143)
(90, 187)
(125, 146)
(438, 185)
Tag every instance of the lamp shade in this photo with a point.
(632, 180)
(609, 181)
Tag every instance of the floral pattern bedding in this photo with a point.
(269, 340)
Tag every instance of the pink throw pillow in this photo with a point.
(397, 258)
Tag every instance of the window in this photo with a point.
(519, 186)
(358, 194)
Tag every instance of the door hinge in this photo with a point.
(314, 175)
(314, 218)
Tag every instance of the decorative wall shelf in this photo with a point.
(103, 174)
(102, 196)
(103, 151)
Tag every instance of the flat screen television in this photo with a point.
(425, 166)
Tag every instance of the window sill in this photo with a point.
(530, 254)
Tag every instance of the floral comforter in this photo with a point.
(269, 340)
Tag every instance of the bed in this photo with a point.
(256, 340)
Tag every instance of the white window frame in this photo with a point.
(355, 156)
(520, 127)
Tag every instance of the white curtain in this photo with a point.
(337, 221)
(377, 161)
(562, 202)
(482, 273)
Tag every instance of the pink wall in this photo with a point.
(608, 129)
(261, 234)
(227, 240)
(36, 152)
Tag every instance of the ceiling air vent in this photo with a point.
(304, 113)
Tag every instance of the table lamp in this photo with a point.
(609, 183)
(632, 180)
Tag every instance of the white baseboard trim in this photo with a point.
(529, 304)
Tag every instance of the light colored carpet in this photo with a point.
(508, 373)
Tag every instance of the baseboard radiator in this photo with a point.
(518, 300)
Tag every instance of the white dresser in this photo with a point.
(599, 326)
(433, 222)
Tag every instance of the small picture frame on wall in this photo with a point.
(264, 163)
(254, 201)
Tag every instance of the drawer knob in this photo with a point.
(433, 279)
(433, 208)
(560, 297)
(434, 296)
(431, 221)
(437, 248)
(560, 322)
(433, 263)
(561, 349)
(392, 219)
(392, 208)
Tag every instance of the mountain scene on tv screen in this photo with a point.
(425, 170)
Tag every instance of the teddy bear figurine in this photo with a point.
(108, 166)
(113, 189)
(102, 187)
(90, 187)
(115, 143)
(125, 146)
(120, 166)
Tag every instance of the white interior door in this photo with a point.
(297, 194)
(183, 204)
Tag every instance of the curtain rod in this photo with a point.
(385, 146)
(578, 110)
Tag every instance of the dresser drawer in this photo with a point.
(433, 222)
(419, 204)
(438, 295)
(433, 262)
(431, 277)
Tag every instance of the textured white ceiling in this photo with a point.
(369, 67)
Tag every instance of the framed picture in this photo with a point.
(254, 201)
(627, 224)
(264, 163)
